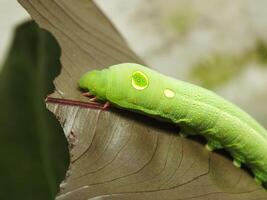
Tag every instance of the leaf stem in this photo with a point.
(94, 105)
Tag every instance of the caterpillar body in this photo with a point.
(195, 109)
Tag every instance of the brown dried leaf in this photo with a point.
(118, 154)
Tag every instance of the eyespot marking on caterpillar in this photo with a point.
(139, 80)
(169, 93)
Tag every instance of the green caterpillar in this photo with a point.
(196, 110)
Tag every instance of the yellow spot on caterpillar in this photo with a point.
(169, 93)
(139, 80)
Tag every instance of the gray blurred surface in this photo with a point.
(11, 13)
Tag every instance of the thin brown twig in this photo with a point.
(94, 105)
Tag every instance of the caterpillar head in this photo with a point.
(95, 81)
(125, 82)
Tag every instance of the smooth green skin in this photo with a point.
(197, 110)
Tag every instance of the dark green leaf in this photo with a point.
(33, 150)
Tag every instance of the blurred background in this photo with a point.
(218, 44)
(11, 14)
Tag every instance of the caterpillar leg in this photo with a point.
(183, 135)
(93, 99)
(260, 177)
(87, 94)
(185, 132)
(258, 180)
(209, 147)
(237, 163)
(106, 105)
(213, 145)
